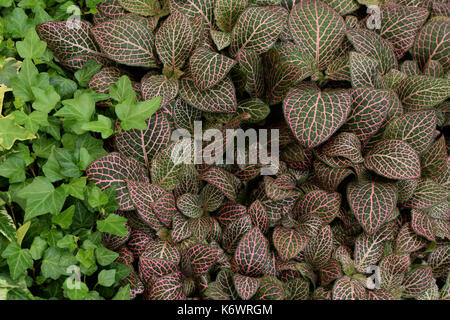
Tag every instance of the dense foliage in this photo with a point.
(359, 208)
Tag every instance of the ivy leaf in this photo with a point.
(105, 256)
(31, 47)
(38, 248)
(41, 198)
(133, 114)
(318, 29)
(308, 113)
(45, 100)
(102, 125)
(51, 266)
(89, 69)
(19, 260)
(107, 277)
(393, 159)
(10, 132)
(80, 108)
(65, 218)
(7, 227)
(113, 224)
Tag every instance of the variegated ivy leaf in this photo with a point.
(223, 180)
(270, 288)
(318, 29)
(320, 203)
(202, 9)
(142, 7)
(343, 7)
(114, 170)
(393, 159)
(431, 44)
(174, 40)
(434, 160)
(319, 248)
(190, 205)
(423, 92)
(371, 44)
(67, 43)
(226, 13)
(143, 145)
(246, 287)
(250, 65)
(415, 128)
(159, 86)
(209, 68)
(345, 144)
(220, 39)
(314, 115)
(408, 241)
(417, 281)
(164, 171)
(372, 203)
(288, 242)
(126, 40)
(220, 98)
(427, 194)
(168, 287)
(400, 24)
(257, 29)
(364, 71)
(347, 288)
(252, 253)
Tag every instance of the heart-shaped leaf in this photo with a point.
(313, 115)
(245, 286)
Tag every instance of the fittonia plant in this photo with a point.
(359, 206)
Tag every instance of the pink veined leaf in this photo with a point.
(211, 198)
(209, 68)
(364, 71)
(329, 177)
(370, 108)
(67, 43)
(174, 40)
(297, 156)
(318, 249)
(288, 242)
(142, 7)
(201, 258)
(138, 242)
(415, 128)
(431, 44)
(143, 145)
(408, 241)
(379, 294)
(255, 110)
(202, 9)
(246, 287)
(417, 281)
(339, 69)
(371, 44)
(108, 10)
(257, 29)
(439, 260)
(347, 288)
(421, 92)
(319, 29)
(233, 232)
(434, 160)
(405, 189)
(159, 86)
(180, 228)
(223, 287)
(126, 40)
(372, 203)
(221, 39)
(343, 7)
(330, 272)
(368, 250)
(168, 287)
(270, 288)
(392, 269)
(220, 98)
(258, 216)
(226, 13)
(114, 242)
(321, 293)
(230, 212)
(433, 69)
(223, 180)
(320, 203)
(184, 114)
(441, 9)
(314, 115)
(252, 253)
(250, 64)
(410, 68)
(427, 194)
(345, 144)
(422, 224)
(393, 159)
(114, 170)
(190, 205)
(400, 24)
(102, 80)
